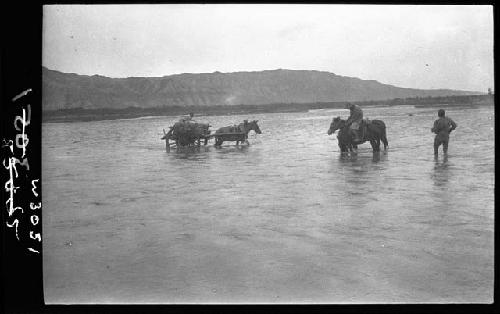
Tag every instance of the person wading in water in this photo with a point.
(442, 128)
(354, 121)
(187, 117)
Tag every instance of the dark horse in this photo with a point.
(373, 131)
(236, 133)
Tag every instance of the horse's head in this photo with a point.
(336, 124)
(252, 126)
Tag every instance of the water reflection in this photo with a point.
(443, 195)
(363, 158)
(380, 156)
(445, 159)
(441, 173)
(232, 149)
(191, 152)
(358, 175)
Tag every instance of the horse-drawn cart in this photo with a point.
(189, 133)
(230, 137)
(236, 133)
(186, 133)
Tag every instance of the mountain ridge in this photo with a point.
(71, 90)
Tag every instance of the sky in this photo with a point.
(412, 46)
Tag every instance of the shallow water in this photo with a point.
(286, 219)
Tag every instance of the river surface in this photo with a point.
(286, 219)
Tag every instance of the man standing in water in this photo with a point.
(442, 127)
(354, 120)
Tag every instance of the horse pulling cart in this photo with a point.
(236, 133)
(189, 133)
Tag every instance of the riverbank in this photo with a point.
(82, 115)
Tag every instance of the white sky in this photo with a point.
(408, 46)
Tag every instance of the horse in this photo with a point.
(186, 134)
(236, 133)
(344, 139)
(374, 132)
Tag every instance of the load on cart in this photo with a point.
(186, 133)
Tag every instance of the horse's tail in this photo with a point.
(383, 133)
(384, 140)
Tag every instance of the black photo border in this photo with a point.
(22, 271)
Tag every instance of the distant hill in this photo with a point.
(70, 91)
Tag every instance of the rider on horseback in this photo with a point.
(354, 121)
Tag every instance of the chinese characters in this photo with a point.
(25, 221)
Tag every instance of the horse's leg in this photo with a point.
(371, 136)
(384, 139)
(206, 141)
(354, 148)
